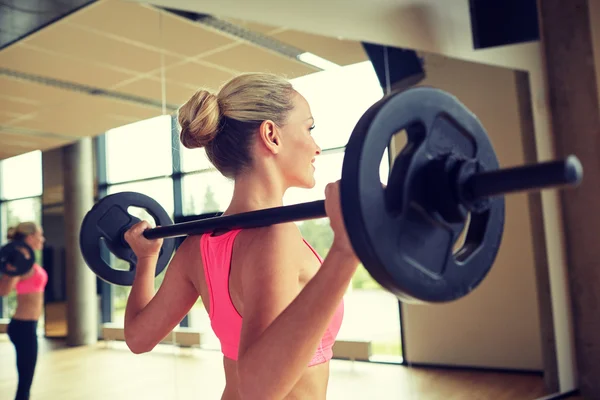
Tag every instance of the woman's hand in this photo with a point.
(8, 278)
(7, 283)
(336, 219)
(142, 247)
(11, 268)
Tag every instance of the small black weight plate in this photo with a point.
(406, 247)
(16, 258)
(108, 220)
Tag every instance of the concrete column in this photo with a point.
(571, 73)
(82, 301)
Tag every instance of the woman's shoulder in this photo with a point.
(284, 234)
(190, 245)
(275, 241)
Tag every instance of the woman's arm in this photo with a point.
(149, 318)
(281, 331)
(7, 284)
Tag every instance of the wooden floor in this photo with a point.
(110, 371)
(55, 319)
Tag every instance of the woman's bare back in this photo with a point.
(313, 382)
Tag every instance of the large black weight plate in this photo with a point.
(108, 220)
(16, 258)
(405, 246)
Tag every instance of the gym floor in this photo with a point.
(110, 371)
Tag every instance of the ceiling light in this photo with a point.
(316, 61)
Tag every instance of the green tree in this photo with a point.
(319, 234)
(210, 203)
(188, 203)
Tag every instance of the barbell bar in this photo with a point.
(478, 187)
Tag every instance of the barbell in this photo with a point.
(446, 178)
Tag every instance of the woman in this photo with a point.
(274, 304)
(22, 329)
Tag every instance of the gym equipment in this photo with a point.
(446, 178)
(107, 221)
(16, 258)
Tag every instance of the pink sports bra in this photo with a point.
(35, 283)
(226, 322)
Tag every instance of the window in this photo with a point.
(206, 192)
(22, 210)
(328, 168)
(194, 159)
(21, 176)
(139, 150)
(160, 189)
(338, 98)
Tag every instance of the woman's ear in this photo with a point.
(270, 136)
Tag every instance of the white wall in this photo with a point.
(497, 325)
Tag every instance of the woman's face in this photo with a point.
(36, 240)
(300, 149)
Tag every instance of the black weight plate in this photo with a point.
(16, 258)
(108, 220)
(406, 247)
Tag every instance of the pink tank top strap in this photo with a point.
(226, 321)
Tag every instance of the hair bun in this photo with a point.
(199, 119)
(10, 234)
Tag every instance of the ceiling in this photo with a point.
(104, 66)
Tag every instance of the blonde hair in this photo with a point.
(21, 231)
(224, 123)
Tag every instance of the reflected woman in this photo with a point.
(22, 329)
